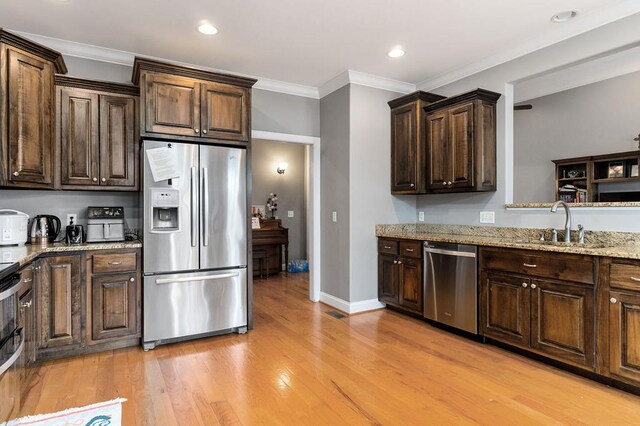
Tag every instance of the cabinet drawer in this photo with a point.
(114, 262)
(566, 267)
(411, 249)
(625, 276)
(388, 246)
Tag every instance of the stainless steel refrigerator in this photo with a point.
(195, 243)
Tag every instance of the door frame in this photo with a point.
(313, 201)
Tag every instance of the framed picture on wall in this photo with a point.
(616, 169)
(257, 210)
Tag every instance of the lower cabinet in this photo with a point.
(27, 321)
(400, 274)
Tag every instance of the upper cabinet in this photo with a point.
(26, 114)
(186, 103)
(461, 143)
(408, 155)
(97, 131)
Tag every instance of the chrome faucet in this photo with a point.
(567, 224)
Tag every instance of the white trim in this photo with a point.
(313, 203)
(582, 24)
(364, 79)
(508, 143)
(353, 307)
(334, 84)
(121, 57)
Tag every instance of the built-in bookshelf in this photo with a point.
(601, 178)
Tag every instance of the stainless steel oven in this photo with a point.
(11, 347)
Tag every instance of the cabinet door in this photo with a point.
(461, 146)
(388, 279)
(225, 112)
(505, 308)
(60, 301)
(30, 123)
(118, 145)
(563, 321)
(404, 150)
(410, 294)
(624, 336)
(78, 132)
(172, 105)
(438, 157)
(113, 308)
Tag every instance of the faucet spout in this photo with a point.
(567, 224)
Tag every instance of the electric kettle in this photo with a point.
(44, 229)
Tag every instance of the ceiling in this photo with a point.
(310, 42)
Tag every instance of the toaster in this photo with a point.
(13, 227)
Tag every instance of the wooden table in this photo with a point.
(270, 238)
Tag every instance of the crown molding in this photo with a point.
(364, 79)
(585, 23)
(121, 57)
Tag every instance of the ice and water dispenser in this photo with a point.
(165, 210)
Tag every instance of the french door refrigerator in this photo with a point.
(195, 243)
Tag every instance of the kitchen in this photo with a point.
(348, 247)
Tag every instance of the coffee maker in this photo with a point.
(75, 234)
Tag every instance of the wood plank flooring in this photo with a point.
(301, 365)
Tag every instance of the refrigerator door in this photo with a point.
(223, 235)
(181, 305)
(171, 242)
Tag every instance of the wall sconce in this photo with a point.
(282, 167)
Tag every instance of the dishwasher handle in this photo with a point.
(449, 252)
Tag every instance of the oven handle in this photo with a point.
(449, 252)
(11, 290)
(8, 363)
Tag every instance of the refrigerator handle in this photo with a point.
(194, 214)
(205, 206)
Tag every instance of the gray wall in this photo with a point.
(599, 118)
(465, 208)
(97, 70)
(370, 199)
(290, 188)
(282, 113)
(334, 130)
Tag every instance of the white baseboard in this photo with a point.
(350, 307)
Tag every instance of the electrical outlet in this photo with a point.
(487, 217)
(421, 216)
(334, 216)
(289, 213)
(72, 216)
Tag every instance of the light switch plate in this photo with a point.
(334, 216)
(289, 213)
(421, 216)
(487, 217)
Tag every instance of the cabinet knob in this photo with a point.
(533, 286)
(95, 179)
(399, 262)
(196, 130)
(16, 173)
(525, 285)
(204, 131)
(412, 185)
(26, 304)
(444, 183)
(449, 183)
(103, 179)
(132, 279)
(613, 300)
(395, 261)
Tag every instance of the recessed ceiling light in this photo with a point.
(395, 53)
(565, 16)
(207, 29)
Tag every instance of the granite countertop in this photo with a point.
(15, 257)
(608, 244)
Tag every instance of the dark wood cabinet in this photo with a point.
(400, 273)
(26, 112)
(408, 154)
(523, 303)
(267, 245)
(193, 104)
(461, 143)
(97, 135)
(27, 321)
(624, 336)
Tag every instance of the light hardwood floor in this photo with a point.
(301, 365)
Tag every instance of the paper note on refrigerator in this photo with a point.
(163, 163)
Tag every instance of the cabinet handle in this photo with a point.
(196, 130)
(204, 131)
(530, 265)
(613, 300)
(132, 279)
(115, 263)
(525, 285)
(636, 279)
(95, 179)
(533, 286)
(27, 280)
(16, 173)
(103, 179)
(409, 250)
(387, 247)
(26, 304)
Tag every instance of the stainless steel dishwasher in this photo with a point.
(451, 285)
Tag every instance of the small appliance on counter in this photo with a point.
(13, 227)
(105, 224)
(45, 229)
(75, 234)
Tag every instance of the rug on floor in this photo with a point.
(107, 413)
